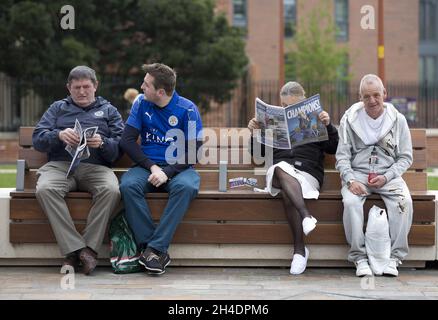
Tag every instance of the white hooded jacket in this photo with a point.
(394, 150)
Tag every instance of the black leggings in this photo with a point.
(294, 205)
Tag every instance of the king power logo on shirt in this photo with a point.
(151, 137)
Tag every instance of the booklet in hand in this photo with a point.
(81, 151)
(291, 126)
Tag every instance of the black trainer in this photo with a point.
(154, 261)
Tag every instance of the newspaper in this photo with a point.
(81, 151)
(291, 126)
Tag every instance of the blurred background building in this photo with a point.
(411, 49)
(271, 30)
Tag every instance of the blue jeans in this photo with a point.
(182, 189)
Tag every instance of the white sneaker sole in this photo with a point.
(154, 270)
(364, 275)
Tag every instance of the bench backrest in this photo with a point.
(223, 144)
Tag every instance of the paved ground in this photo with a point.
(190, 283)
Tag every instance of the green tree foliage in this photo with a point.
(317, 57)
(117, 36)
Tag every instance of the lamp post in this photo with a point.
(381, 43)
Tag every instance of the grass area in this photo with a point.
(432, 183)
(7, 180)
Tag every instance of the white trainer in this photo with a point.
(299, 263)
(309, 224)
(363, 268)
(391, 268)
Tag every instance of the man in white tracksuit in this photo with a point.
(372, 126)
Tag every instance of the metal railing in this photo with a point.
(23, 103)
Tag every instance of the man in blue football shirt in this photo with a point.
(167, 123)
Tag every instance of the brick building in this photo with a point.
(409, 57)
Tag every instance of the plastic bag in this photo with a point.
(124, 254)
(377, 240)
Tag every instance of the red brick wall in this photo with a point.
(8, 150)
(401, 40)
(264, 46)
(264, 39)
(362, 43)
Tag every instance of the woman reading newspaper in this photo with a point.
(298, 173)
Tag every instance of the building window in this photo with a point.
(290, 17)
(428, 17)
(239, 14)
(428, 66)
(429, 69)
(341, 18)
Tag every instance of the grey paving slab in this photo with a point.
(194, 283)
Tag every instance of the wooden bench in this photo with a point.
(240, 226)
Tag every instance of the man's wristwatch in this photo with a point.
(349, 182)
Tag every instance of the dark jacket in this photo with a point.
(307, 157)
(63, 113)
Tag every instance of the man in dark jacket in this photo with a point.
(53, 133)
(298, 173)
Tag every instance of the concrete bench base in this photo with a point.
(196, 255)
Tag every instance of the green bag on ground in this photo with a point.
(124, 253)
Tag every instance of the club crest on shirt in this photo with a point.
(173, 121)
(98, 114)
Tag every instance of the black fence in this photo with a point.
(417, 101)
(23, 103)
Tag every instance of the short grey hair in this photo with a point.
(82, 72)
(369, 79)
(293, 89)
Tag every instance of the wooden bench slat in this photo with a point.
(325, 210)
(416, 181)
(231, 194)
(36, 159)
(418, 136)
(229, 136)
(197, 233)
(25, 136)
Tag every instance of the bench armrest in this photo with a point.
(19, 182)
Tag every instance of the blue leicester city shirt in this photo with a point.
(154, 123)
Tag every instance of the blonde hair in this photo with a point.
(130, 95)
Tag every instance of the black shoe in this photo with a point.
(88, 259)
(154, 261)
(72, 260)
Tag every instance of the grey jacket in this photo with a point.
(394, 150)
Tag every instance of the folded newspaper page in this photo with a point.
(81, 151)
(291, 126)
